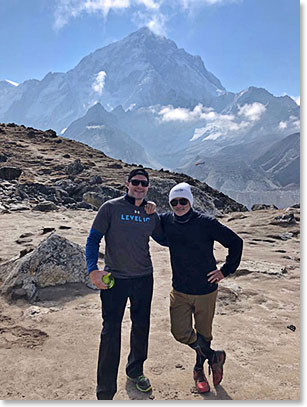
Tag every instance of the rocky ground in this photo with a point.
(49, 348)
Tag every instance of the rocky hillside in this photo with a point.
(41, 171)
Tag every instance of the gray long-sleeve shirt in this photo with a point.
(126, 228)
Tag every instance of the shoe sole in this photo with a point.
(143, 390)
(202, 391)
(199, 390)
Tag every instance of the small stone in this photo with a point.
(25, 240)
(47, 230)
(28, 234)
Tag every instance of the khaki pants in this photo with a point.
(183, 307)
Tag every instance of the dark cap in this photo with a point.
(138, 171)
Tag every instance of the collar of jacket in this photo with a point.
(131, 200)
(185, 218)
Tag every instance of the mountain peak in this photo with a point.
(144, 36)
(145, 32)
(97, 108)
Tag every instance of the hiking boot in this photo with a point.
(142, 383)
(216, 366)
(201, 382)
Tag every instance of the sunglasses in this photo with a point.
(182, 201)
(136, 182)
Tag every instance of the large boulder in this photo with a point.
(96, 199)
(55, 261)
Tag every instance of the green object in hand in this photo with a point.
(108, 280)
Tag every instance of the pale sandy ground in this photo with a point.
(48, 350)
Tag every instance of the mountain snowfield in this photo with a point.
(144, 100)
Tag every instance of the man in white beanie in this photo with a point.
(190, 236)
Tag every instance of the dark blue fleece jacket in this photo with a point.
(190, 239)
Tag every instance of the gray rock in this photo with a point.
(45, 206)
(68, 200)
(115, 165)
(75, 168)
(286, 219)
(95, 179)
(10, 173)
(84, 205)
(19, 207)
(55, 261)
(96, 199)
(286, 236)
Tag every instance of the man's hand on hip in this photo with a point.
(215, 276)
(96, 276)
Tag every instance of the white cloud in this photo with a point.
(216, 125)
(170, 113)
(282, 125)
(67, 9)
(157, 24)
(98, 85)
(148, 10)
(150, 4)
(252, 112)
(295, 123)
(154, 20)
(292, 125)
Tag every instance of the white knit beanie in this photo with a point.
(182, 190)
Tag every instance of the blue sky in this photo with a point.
(242, 42)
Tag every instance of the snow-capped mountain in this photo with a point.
(144, 100)
(143, 69)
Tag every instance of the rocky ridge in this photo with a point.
(42, 171)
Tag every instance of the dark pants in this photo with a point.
(139, 292)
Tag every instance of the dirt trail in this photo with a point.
(49, 349)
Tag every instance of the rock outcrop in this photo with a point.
(55, 261)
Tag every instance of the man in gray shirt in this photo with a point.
(126, 227)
